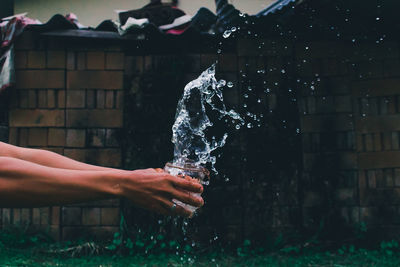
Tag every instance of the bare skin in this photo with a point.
(34, 178)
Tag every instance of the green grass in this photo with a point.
(33, 257)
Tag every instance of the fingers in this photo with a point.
(178, 210)
(188, 198)
(159, 170)
(188, 185)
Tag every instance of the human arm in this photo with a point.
(46, 158)
(26, 184)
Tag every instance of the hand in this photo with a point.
(154, 189)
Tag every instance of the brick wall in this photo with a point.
(69, 101)
(327, 147)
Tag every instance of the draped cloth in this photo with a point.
(10, 29)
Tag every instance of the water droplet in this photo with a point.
(245, 105)
(233, 29)
(237, 127)
(261, 71)
(227, 33)
(227, 179)
(219, 51)
(283, 71)
(221, 83)
(230, 84)
(246, 96)
(249, 88)
(258, 100)
(378, 18)
(249, 125)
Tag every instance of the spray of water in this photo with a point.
(191, 120)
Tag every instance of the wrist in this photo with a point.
(112, 182)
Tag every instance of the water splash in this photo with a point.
(191, 120)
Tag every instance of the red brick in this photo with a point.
(76, 138)
(345, 160)
(36, 118)
(100, 99)
(42, 98)
(103, 157)
(138, 66)
(13, 136)
(388, 123)
(56, 59)
(36, 216)
(91, 216)
(71, 216)
(81, 61)
(387, 141)
(36, 59)
(119, 101)
(25, 216)
(112, 138)
(377, 141)
(379, 160)
(110, 216)
(21, 60)
(148, 63)
(61, 99)
(6, 216)
(376, 87)
(371, 179)
(95, 60)
(397, 177)
(395, 141)
(32, 79)
(115, 61)
(369, 145)
(76, 98)
(44, 216)
(51, 99)
(23, 137)
(388, 177)
(90, 99)
(71, 60)
(96, 137)
(23, 98)
(37, 137)
(129, 66)
(32, 99)
(109, 103)
(56, 137)
(16, 216)
(94, 118)
(95, 80)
